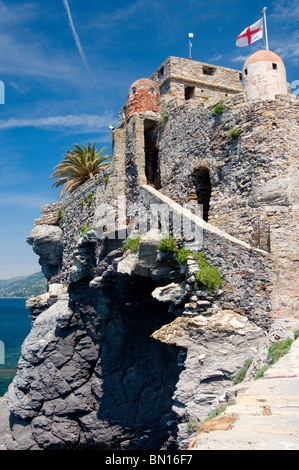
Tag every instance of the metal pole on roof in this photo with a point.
(190, 45)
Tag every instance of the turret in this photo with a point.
(264, 76)
(144, 95)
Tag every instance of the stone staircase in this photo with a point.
(265, 416)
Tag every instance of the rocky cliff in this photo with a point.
(114, 358)
(128, 350)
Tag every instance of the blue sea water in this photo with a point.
(14, 327)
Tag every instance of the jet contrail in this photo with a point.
(79, 47)
(76, 37)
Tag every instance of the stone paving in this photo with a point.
(266, 413)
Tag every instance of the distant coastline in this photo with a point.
(23, 287)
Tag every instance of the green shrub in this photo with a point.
(182, 255)
(89, 197)
(85, 229)
(167, 243)
(242, 372)
(106, 179)
(60, 215)
(279, 349)
(216, 412)
(218, 109)
(162, 121)
(201, 261)
(132, 243)
(209, 276)
(275, 352)
(193, 425)
(260, 372)
(234, 132)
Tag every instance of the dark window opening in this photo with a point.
(134, 90)
(152, 163)
(165, 88)
(202, 189)
(240, 77)
(161, 72)
(246, 72)
(189, 92)
(152, 91)
(274, 66)
(208, 70)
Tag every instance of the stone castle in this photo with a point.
(125, 347)
(180, 147)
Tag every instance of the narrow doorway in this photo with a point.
(202, 188)
(152, 164)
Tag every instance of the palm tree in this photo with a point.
(79, 165)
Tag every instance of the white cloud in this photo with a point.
(285, 11)
(82, 123)
(240, 58)
(29, 53)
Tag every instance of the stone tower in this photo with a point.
(264, 76)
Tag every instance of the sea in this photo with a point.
(15, 325)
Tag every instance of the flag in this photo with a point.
(250, 34)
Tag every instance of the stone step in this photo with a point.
(236, 440)
(265, 409)
(269, 424)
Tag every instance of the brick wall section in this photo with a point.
(144, 95)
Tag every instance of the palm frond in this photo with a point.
(78, 165)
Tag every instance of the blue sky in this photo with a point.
(66, 86)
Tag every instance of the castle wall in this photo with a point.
(196, 81)
(253, 177)
(247, 272)
(77, 210)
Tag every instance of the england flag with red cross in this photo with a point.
(250, 34)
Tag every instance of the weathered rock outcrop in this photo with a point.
(112, 360)
(47, 243)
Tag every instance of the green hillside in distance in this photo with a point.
(23, 286)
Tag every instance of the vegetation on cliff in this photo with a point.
(78, 166)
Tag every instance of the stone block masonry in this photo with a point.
(252, 178)
(77, 210)
(247, 272)
(49, 214)
(196, 81)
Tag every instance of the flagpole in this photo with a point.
(190, 44)
(265, 23)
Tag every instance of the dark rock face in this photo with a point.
(91, 376)
(135, 374)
